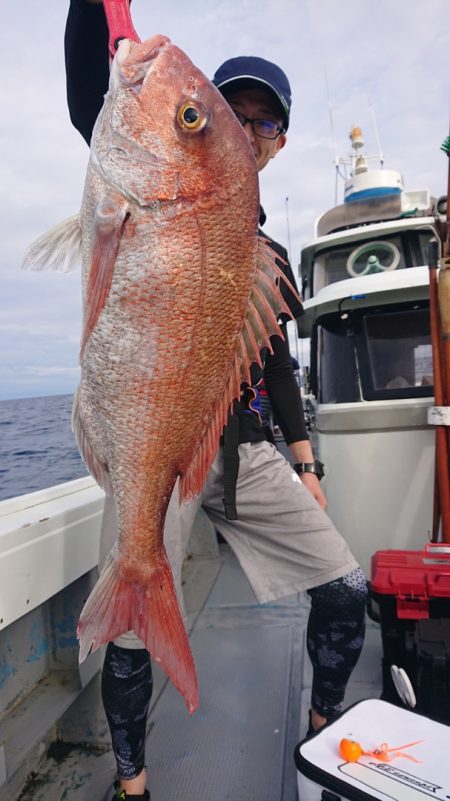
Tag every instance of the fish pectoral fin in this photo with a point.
(149, 607)
(59, 249)
(97, 469)
(108, 228)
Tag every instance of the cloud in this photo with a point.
(37, 330)
(41, 371)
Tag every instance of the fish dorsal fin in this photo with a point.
(58, 249)
(261, 322)
(108, 227)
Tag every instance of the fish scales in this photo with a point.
(179, 294)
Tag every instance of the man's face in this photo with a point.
(257, 104)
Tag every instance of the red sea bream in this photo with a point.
(180, 293)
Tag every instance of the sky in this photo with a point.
(391, 56)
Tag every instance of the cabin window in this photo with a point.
(423, 240)
(370, 256)
(373, 354)
(336, 358)
(396, 356)
(359, 258)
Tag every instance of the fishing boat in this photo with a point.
(366, 285)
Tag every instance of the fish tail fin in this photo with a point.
(149, 608)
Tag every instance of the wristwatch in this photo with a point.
(315, 467)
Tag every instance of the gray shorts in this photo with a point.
(283, 540)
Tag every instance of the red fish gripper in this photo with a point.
(119, 21)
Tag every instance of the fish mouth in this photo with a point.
(132, 60)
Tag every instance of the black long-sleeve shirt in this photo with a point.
(87, 74)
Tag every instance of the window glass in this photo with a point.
(338, 375)
(424, 238)
(361, 258)
(374, 354)
(399, 350)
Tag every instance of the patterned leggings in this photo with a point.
(336, 629)
(335, 639)
(127, 686)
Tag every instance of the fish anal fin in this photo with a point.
(193, 478)
(58, 249)
(108, 227)
(149, 607)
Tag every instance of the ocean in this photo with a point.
(37, 447)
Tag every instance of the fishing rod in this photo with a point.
(441, 489)
(54, 461)
(440, 341)
(120, 24)
(444, 307)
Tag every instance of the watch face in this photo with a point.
(319, 469)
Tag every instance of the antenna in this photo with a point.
(372, 111)
(287, 226)
(336, 157)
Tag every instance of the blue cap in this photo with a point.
(245, 71)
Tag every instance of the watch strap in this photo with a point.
(315, 467)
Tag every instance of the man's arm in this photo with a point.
(287, 405)
(87, 63)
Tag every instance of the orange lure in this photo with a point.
(351, 751)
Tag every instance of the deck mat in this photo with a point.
(238, 746)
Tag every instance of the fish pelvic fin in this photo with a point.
(98, 470)
(149, 608)
(261, 322)
(59, 249)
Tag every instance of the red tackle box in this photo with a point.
(410, 596)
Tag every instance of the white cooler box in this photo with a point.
(371, 723)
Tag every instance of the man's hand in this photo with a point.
(302, 452)
(312, 484)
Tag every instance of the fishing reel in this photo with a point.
(373, 257)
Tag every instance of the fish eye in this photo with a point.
(190, 117)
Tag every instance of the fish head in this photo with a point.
(166, 134)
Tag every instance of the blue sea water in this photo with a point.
(37, 446)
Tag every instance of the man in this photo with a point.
(271, 515)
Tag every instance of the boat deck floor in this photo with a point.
(255, 680)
